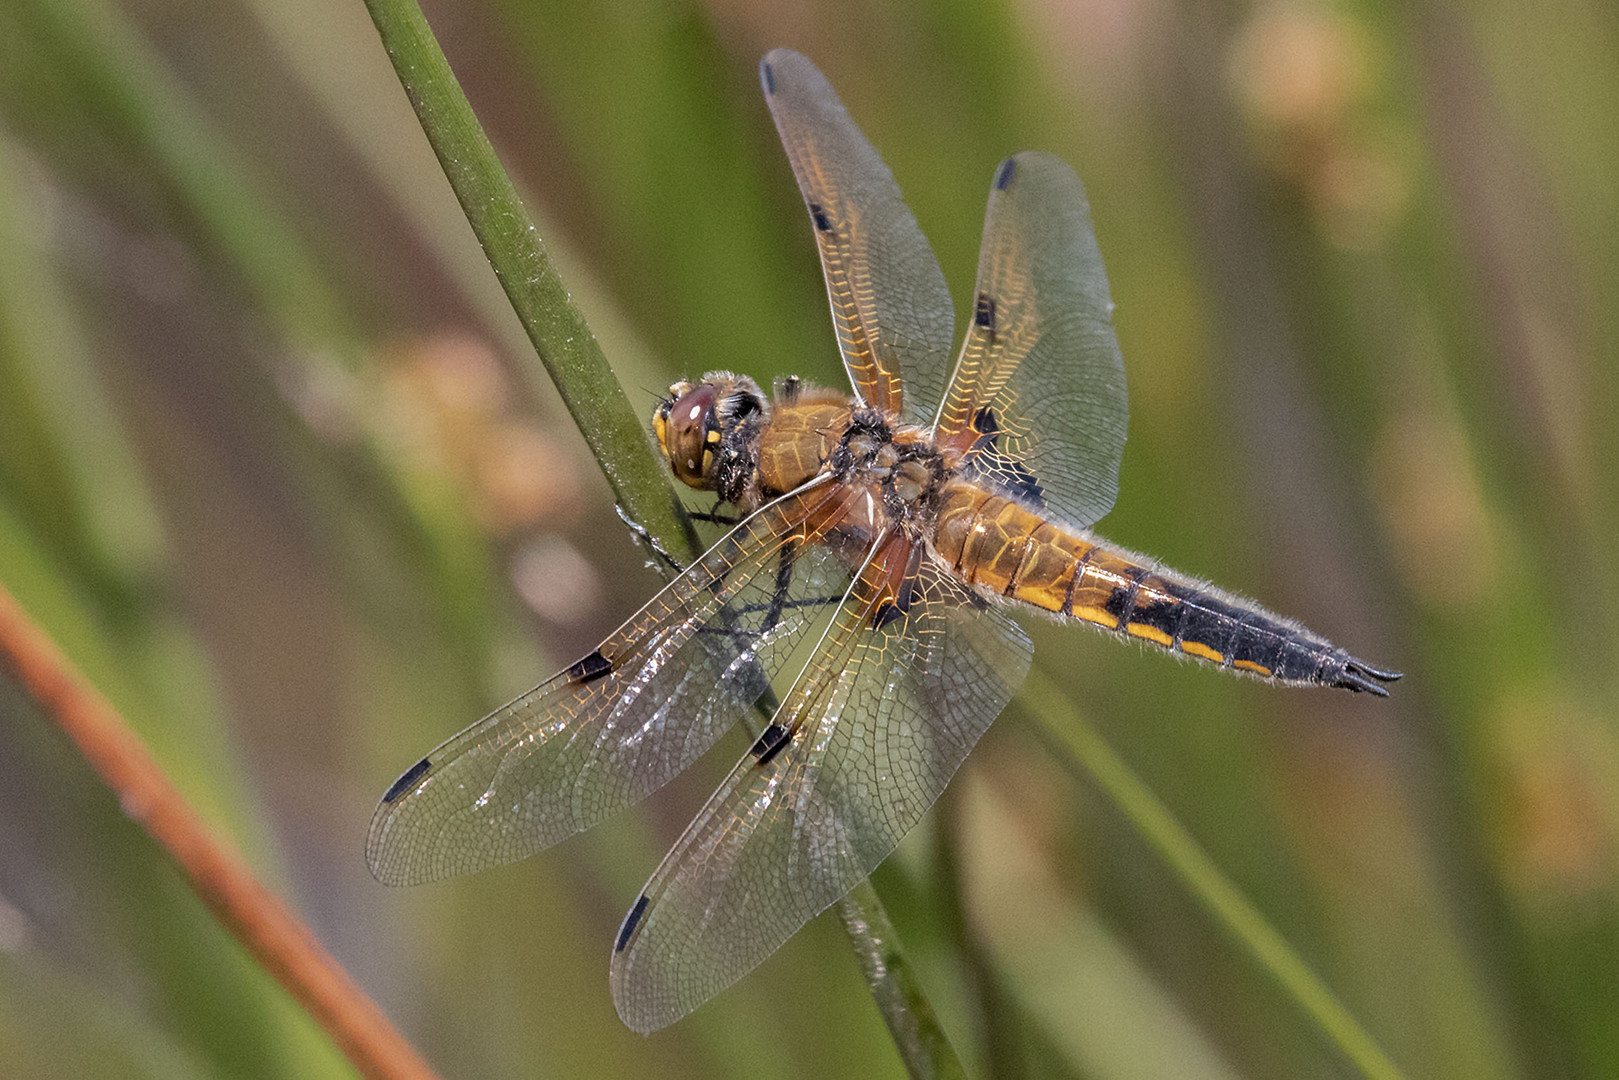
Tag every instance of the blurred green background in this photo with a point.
(276, 470)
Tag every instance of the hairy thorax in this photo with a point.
(799, 440)
(721, 435)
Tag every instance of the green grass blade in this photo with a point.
(1079, 748)
(921, 1042)
(502, 224)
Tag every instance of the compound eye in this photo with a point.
(660, 424)
(685, 433)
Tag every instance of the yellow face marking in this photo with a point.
(1199, 649)
(1151, 633)
(1097, 616)
(1249, 665)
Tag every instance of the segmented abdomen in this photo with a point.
(1002, 547)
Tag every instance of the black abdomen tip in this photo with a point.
(1358, 675)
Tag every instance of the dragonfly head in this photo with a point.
(702, 427)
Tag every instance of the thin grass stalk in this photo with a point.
(1077, 747)
(267, 928)
(555, 326)
(921, 1042)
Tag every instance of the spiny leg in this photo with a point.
(649, 541)
(714, 517)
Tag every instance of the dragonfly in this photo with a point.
(884, 537)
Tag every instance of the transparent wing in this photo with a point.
(890, 305)
(881, 717)
(1038, 399)
(627, 718)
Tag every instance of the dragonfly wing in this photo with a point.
(890, 304)
(1038, 398)
(630, 716)
(879, 720)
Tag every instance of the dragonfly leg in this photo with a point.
(714, 517)
(649, 541)
(784, 578)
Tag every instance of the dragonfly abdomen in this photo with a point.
(998, 545)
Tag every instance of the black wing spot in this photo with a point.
(886, 613)
(1015, 478)
(907, 595)
(1010, 474)
(590, 668)
(631, 921)
(407, 781)
(984, 313)
(1003, 175)
(909, 589)
(823, 220)
(770, 742)
(770, 78)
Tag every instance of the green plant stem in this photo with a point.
(921, 1042)
(562, 341)
(1078, 747)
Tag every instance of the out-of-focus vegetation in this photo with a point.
(274, 468)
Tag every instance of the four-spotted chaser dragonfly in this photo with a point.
(886, 537)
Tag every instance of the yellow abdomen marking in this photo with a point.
(1151, 633)
(1197, 648)
(1095, 615)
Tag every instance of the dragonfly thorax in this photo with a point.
(899, 460)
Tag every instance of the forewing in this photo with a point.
(890, 304)
(882, 716)
(626, 719)
(1038, 397)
